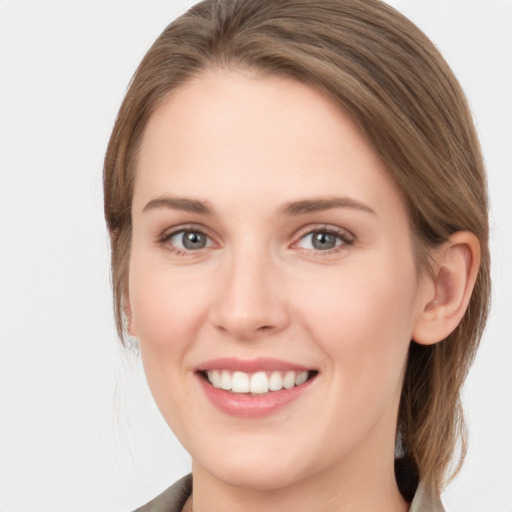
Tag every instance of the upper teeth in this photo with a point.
(259, 382)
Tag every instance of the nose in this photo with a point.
(250, 301)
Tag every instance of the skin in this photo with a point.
(248, 146)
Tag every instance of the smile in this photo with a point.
(253, 389)
(257, 383)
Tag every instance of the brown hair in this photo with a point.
(391, 79)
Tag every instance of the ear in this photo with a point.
(446, 295)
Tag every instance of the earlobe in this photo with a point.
(456, 265)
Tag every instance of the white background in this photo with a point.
(78, 428)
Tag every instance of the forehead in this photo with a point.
(236, 131)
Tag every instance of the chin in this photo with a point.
(256, 471)
(257, 478)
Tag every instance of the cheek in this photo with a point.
(168, 311)
(167, 307)
(363, 321)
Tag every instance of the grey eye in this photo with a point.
(323, 241)
(189, 240)
(320, 241)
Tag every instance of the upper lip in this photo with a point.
(251, 365)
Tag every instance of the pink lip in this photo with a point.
(249, 366)
(247, 405)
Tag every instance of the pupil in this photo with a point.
(192, 240)
(324, 241)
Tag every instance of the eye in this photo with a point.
(188, 240)
(324, 240)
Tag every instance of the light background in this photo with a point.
(78, 428)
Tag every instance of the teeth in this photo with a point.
(225, 381)
(289, 380)
(275, 382)
(301, 378)
(257, 383)
(240, 383)
(215, 378)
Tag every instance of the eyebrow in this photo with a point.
(179, 203)
(321, 204)
(290, 209)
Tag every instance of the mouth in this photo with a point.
(257, 383)
(253, 389)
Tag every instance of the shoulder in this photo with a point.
(171, 500)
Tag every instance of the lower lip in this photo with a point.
(251, 406)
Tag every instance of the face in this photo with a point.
(272, 284)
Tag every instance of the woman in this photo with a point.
(298, 215)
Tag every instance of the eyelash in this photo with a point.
(163, 240)
(346, 238)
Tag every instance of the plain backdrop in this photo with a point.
(78, 428)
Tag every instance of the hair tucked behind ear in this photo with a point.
(390, 78)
